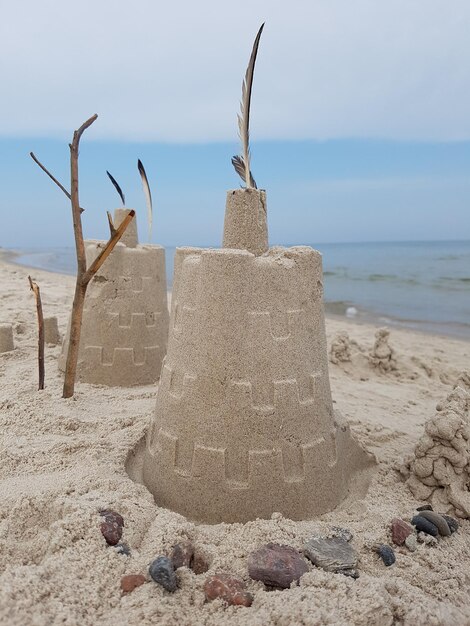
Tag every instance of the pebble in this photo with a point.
(228, 588)
(199, 564)
(182, 554)
(438, 521)
(131, 582)
(386, 554)
(276, 565)
(333, 554)
(400, 531)
(163, 573)
(111, 526)
(343, 533)
(123, 548)
(453, 523)
(424, 507)
(411, 542)
(424, 525)
(112, 516)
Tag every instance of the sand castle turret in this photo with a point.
(244, 423)
(125, 319)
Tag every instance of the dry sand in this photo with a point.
(63, 460)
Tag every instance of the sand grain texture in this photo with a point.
(61, 461)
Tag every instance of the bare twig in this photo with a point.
(115, 237)
(84, 274)
(44, 169)
(35, 288)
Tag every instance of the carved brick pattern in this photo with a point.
(264, 466)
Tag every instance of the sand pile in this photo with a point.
(440, 469)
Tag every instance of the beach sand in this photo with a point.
(64, 460)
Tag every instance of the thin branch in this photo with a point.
(101, 258)
(44, 169)
(35, 288)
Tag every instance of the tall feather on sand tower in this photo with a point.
(241, 163)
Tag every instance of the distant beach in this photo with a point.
(420, 285)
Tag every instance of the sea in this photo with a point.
(422, 285)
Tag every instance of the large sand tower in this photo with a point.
(244, 424)
(125, 319)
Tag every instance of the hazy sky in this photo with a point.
(360, 123)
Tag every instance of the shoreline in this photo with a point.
(445, 331)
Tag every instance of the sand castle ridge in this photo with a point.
(125, 319)
(244, 423)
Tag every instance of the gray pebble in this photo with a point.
(438, 521)
(163, 573)
(424, 507)
(386, 554)
(411, 542)
(333, 554)
(424, 525)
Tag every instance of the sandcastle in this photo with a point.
(125, 319)
(244, 423)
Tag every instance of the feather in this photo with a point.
(239, 165)
(244, 116)
(148, 195)
(116, 186)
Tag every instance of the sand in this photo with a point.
(63, 460)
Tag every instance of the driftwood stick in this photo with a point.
(35, 289)
(103, 255)
(44, 169)
(84, 274)
(80, 285)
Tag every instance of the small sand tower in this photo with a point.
(244, 423)
(125, 319)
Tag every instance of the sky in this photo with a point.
(360, 126)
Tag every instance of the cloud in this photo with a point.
(172, 71)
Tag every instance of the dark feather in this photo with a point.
(148, 195)
(239, 165)
(116, 186)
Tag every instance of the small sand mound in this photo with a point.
(382, 355)
(440, 467)
(340, 350)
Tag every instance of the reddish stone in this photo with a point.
(276, 565)
(111, 526)
(199, 564)
(112, 516)
(228, 588)
(400, 531)
(131, 582)
(182, 554)
(111, 532)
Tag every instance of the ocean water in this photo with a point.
(420, 285)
